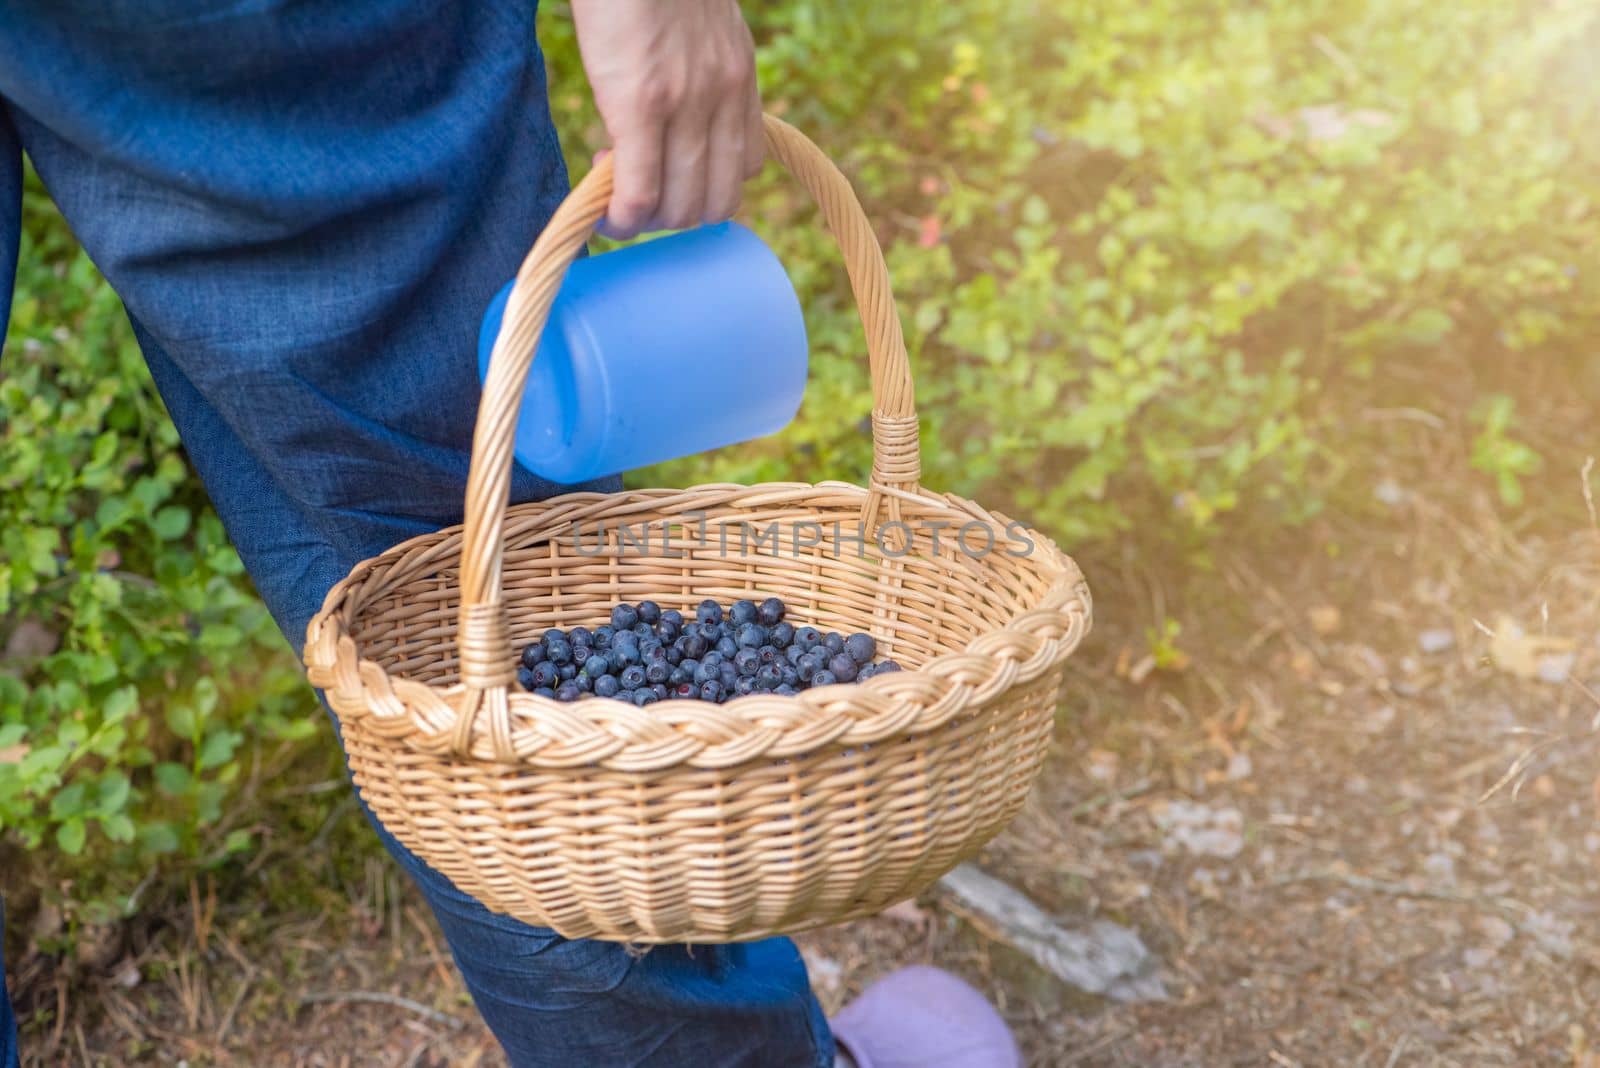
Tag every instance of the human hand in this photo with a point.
(675, 83)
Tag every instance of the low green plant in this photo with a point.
(1499, 455)
(141, 674)
(1138, 247)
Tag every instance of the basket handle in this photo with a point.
(483, 638)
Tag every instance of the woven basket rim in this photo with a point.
(422, 717)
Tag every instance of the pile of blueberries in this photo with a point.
(646, 655)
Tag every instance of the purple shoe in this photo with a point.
(921, 1017)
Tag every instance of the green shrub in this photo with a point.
(1158, 230)
(142, 674)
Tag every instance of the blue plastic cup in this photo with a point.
(659, 350)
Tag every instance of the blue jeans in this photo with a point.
(305, 209)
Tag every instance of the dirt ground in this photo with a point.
(1354, 812)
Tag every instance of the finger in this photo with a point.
(725, 167)
(755, 132)
(635, 183)
(683, 181)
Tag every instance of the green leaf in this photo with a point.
(171, 523)
(118, 827)
(114, 790)
(120, 704)
(173, 779)
(181, 719)
(159, 838)
(70, 836)
(68, 801)
(218, 748)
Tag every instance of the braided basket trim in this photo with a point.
(536, 732)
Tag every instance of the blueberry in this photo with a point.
(660, 690)
(644, 630)
(748, 662)
(742, 612)
(658, 671)
(886, 666)
(769, 654)
(580, 636)
(624, 616)
(861, 648)
(713, 659)
(690, 664)
(842, 667)
(568, 691)
(823, 678)
(581, 654)
(786, 690)
(707, 671)
(745, 685)
(526, 679)
(789, 675)
(644, 697)
(554, 634)
(730, 675)
(865, 672)
(545, 691)
(584, 681)
(633, 677)
(770, 613)
(672, 616)
(708, 612)
(685, 689)
(769, 677)
(649, 612)
(545, 675)
(833, 642)
(711, 632)
(602, 637)
(559, 651)
(807, 637)
(669, 632)
(751, 636)
(711, 691)
(680, 675)
(793, 654)
(625, 649)
(567, 672)
(532, 654)
(694, 646)
(782, 635)
(606, 686)
(727, 646)
(807, 668)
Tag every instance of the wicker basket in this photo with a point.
(686, 821)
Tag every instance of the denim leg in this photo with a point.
(8, 1020)
(10, 211)
(10, 228)
(305, 208)
(550, 1001)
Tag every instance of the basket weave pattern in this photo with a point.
(685, 821)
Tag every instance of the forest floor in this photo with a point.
(1354, 811)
